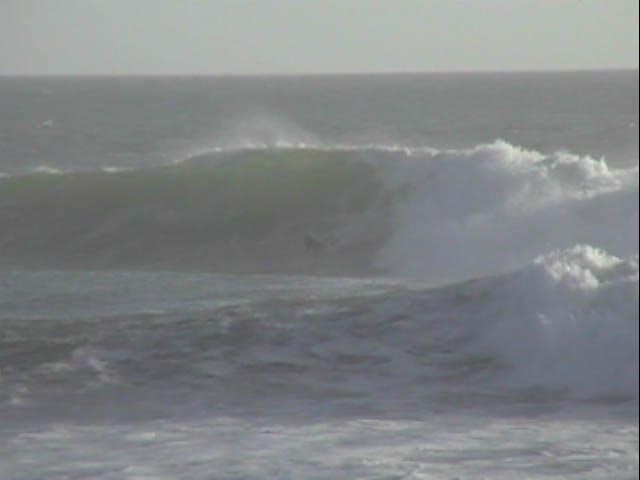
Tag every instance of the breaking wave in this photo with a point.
(439, 215)
(563, 327)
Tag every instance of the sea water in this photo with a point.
(469, 308)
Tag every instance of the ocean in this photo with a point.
(321, 277)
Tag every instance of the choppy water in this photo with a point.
(468, 308)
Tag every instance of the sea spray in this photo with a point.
(495, 207)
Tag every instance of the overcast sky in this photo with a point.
(314, 36)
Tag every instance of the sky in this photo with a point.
(239, 37)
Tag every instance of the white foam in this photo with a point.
(495, 207)
(435, 448)
(115, 169)
(44, 169)
(570, 321)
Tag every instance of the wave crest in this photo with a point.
(495, 207)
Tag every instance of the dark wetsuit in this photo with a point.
(312, 244)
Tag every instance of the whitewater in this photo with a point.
(467, 306)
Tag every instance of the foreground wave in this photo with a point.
(439, 215)
(565, 327)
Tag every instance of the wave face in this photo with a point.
(228, 211)
(441, 215)
(564, 327)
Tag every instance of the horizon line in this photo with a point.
(314, 74)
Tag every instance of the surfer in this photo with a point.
(314, 245)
